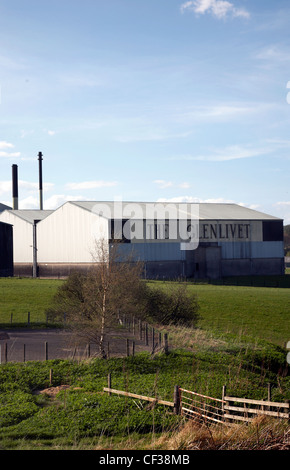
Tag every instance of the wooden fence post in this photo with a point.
(165, 343)
(176, 400)
(127, 346)
(269, 392)
(109, 383)
(50, 377)
(133, 348)
(24, 352)
(5, 353)
(146, 334)
(287, 410)
(224, 392)
(46, 350)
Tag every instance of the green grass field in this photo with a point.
(203, 360)
(261, 312)
(20, 296)
(256, 311)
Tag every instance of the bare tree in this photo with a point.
(93, 302)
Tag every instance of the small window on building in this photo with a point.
(118, 232)
(273, 231)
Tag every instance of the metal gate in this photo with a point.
(201, 407)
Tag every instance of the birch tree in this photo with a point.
(94, 302)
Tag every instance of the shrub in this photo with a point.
(174, 306)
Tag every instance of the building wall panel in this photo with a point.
(22, 237)
(69, 235)
(244, 250)
(152, 251)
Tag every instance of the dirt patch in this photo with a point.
(52, 391)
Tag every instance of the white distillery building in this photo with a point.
(193, 240)
(24, 232)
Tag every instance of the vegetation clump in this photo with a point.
(94, 302)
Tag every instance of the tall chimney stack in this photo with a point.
(40, 181)
(15, 186)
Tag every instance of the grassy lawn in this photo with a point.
(80, 415)
(262, 312)
(259, 312)
(20, 296)
(83, 417)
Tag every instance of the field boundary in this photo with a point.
(204, 409)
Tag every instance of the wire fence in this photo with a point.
(25, 344)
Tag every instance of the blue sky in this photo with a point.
(146, 101)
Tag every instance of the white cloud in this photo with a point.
(168, 184)
(192, 199)
(184, 185)
(5, 187)
(5, 145)
(232, 152)
(29, 202)
(146, 134)
(25, 133)
(10, 155)
(91, 185)
(58, 200)
(51, 203)
(283, 203)
(218, 8)
(273, 53)
(163, 184)
(29, 186)
(25, 186)
(225, 112)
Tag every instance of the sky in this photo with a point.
(172, 100)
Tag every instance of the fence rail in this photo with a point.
(203, 408)
(140, 397)
(131, 337)
(257, 407)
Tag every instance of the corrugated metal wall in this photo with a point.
(69, 235)
(152, 251)
(244, 250)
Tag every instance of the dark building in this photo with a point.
(6, 250)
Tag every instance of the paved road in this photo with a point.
(35, 345)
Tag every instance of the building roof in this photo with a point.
(3, 207)
(30, 215)
(204, 211)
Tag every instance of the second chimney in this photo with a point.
(15, 186)
(40, 182)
